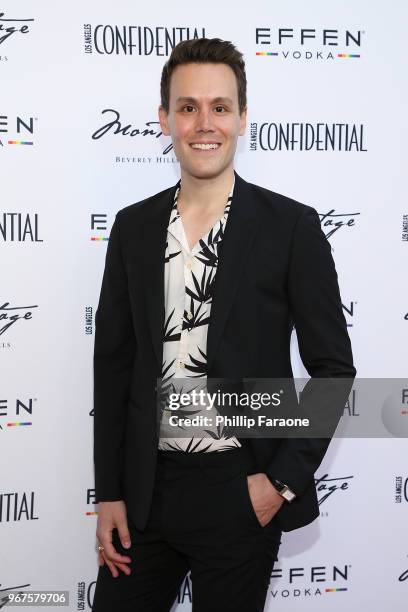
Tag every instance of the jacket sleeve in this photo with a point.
(114, 353)
(324, 343)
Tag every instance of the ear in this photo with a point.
(242, 122)
(163, 119)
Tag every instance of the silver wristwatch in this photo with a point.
(283, 490)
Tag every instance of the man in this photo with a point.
(205, 280)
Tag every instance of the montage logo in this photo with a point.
(302, 581)
(17, 412)
(304, 136)
(108, 39)
(326, 486)
(20, 131)
(332, 221)
(19, 227)
(12, 27)
(149, 132)
(9, 315)
(308, 44)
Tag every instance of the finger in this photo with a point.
(124, 568)
(118, 566)
(112, 568)
(111, 553)
(124, 535)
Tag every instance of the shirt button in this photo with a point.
(189, 264)
(189, 315)
(181, 364)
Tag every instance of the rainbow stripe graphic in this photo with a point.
(341, 55)
(20, 142)
(19, 423)
(99, 238)
(336, 590)
(91, 513)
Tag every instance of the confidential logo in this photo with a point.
(306, 137)
(308, 43)
(17, 506)
(19, 227)
(107, 39)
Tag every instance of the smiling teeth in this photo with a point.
(205, 146)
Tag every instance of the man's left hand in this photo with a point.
(265, 499)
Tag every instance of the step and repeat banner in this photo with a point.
(80, 139)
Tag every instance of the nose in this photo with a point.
(204, 120)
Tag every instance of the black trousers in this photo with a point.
(201, 520)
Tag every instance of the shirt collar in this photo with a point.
(175, 226)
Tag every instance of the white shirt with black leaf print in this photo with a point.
(188, 285)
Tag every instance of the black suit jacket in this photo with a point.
(275, 271)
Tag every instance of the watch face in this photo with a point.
(288, 495)
(283, 490)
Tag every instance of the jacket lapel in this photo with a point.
(233, 252)
(154, 237)
(236, 243)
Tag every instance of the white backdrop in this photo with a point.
(59, 195)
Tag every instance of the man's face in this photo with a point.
(203, 111)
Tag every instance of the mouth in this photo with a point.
(205, 146)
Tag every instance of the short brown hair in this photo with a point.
(200, 51)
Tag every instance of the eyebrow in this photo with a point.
(214, 101)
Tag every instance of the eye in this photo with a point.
(220, 108)
(188, 107)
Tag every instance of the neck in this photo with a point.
(198, 192)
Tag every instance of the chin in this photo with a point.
(205, 172)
